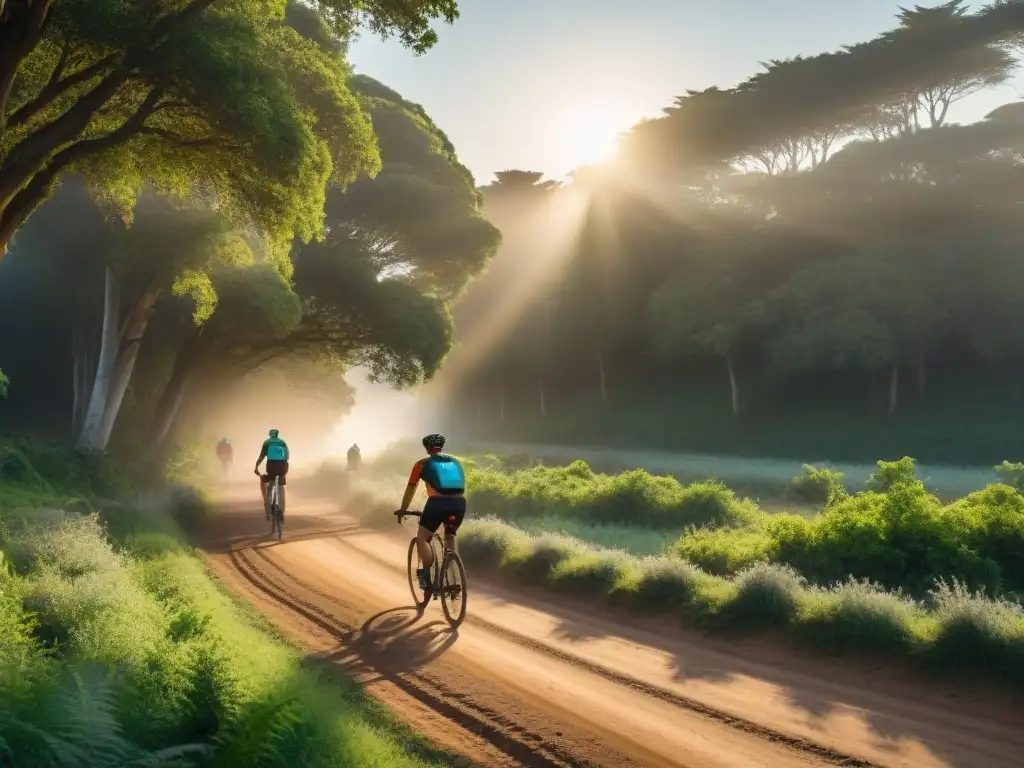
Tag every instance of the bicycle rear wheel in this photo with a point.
(453, 589)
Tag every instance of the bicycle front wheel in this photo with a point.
(453, 589)
(418, 596)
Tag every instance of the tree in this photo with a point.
(165, 249)
(703, 309)
(801, 97)
(174, 95)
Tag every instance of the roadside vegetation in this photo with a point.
(118, 649)
(890, 569)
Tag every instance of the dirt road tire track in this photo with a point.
(507, 736)
(507, 693)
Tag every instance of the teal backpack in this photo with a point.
(444, 474)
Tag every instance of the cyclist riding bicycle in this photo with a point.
(354, 458)
(226, 453)
(275, 451)
(446, 497)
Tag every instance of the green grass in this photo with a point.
(952, 631)
(634, 539)
(895, 533)
(117, 649)
(635, 498)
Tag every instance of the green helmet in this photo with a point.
(274, 433)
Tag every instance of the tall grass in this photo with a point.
(634, 498)
(896, 534)
(118, 651)
(953, 630)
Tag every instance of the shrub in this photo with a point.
(891, 473)
(859, 616)
(819, 486)
(766, 595)
(723, 552)
(1011, 473)
(601, 572)
(666, 584)
(629, 498)
(977, 634)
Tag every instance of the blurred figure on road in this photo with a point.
(355, 458)
(226, 454)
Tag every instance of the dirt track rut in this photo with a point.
(525, 683)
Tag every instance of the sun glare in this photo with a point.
(587, 134)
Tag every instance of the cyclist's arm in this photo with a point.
(410, 489)
(263, 454)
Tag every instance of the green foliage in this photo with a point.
(819, 486)
(831, 277)
(952, 632)
(1011, 473)
(5, 383)
(126, 653)
(899, 538)
(634, 498)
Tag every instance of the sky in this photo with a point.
(547, 85)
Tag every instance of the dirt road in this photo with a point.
(527, 683)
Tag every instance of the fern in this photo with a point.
(259, 733)
(82, 731)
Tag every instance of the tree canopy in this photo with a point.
(201, 98)
(815, 262)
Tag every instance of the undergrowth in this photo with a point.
(952, 630)
(117, 649)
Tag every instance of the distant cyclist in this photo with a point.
(226, 453)
(446, 491)
(355, 458)
(275, 451)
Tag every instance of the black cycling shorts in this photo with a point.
(276, 469)
(440, 508)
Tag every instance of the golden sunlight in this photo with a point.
(588, 133)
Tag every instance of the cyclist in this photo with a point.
(355, 458)
(446, 497)
(226, 453)
(275, 451)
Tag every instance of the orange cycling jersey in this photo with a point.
(439, 470)
(417, 474)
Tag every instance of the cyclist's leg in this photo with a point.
(281, 483)
(264, 480)
(430, 521)
(456, 507)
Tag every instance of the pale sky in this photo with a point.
(546, 85)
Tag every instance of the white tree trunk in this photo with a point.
(169, 416)
(734, 389)
(603, 379)
(894, 388)
(128, 353)
(92, 428)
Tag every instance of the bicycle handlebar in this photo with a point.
(408, 513)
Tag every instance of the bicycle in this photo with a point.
(274, 504)
(451, 591)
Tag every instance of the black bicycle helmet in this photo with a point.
(433, 441)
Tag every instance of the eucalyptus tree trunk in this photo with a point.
(90, 438)
(734, 390)
(128, 354)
